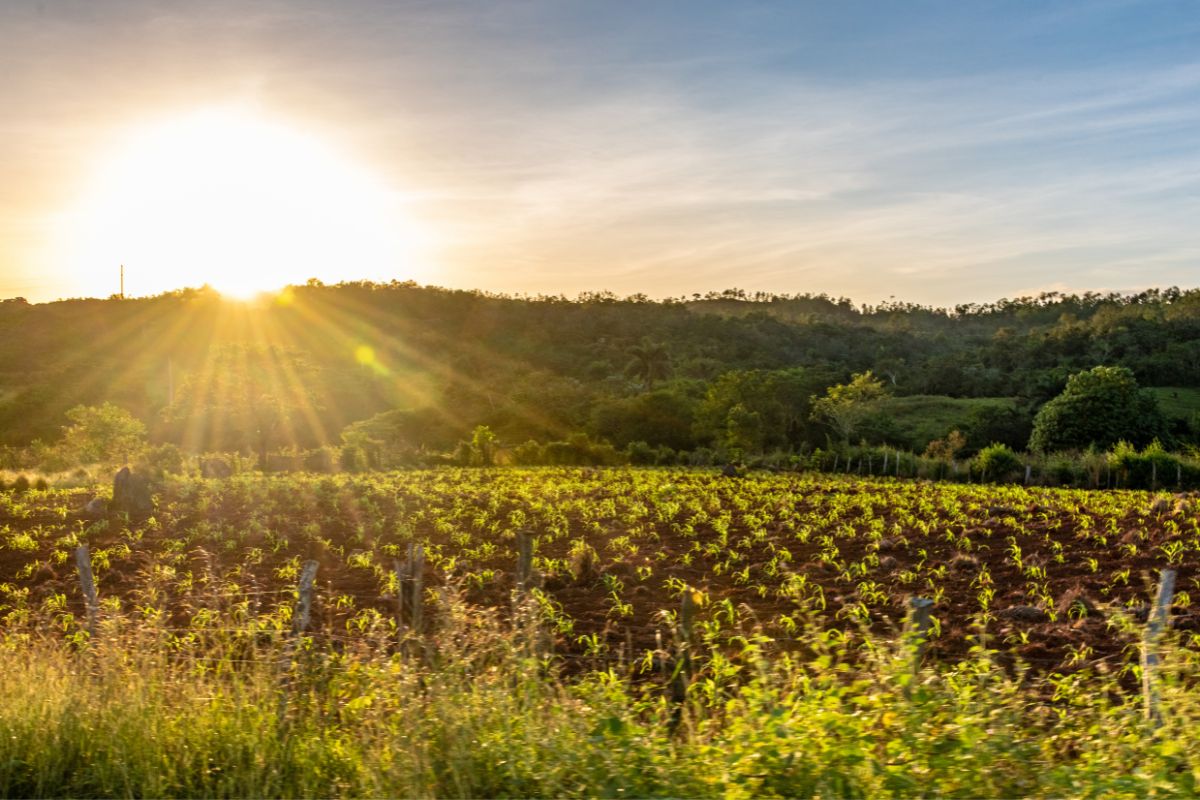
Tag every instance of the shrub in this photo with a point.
(101, 433)
(641, 454)
(352, 458)
(528, 454)
(322, 459)
(582, 560)
(997, 462)
(163, 459)
(1150, 468)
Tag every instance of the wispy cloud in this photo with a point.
(550, 148)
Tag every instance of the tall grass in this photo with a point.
(475, 716)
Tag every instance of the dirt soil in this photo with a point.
(1074, 598)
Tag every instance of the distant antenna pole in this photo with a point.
(122, 281)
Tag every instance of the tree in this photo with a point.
(1010, 425)
(1100, 407)
(661, 417)
(780, 398)
(846, 405)
(743, 430)
(101, 433)
(483, 446)
(651, 362)
(248, 397)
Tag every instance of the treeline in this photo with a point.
(420, 369)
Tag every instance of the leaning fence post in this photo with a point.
(1159, 616)
(83, 562)
(916, 628)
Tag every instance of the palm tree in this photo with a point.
(651, 362)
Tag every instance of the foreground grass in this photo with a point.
(128, 717)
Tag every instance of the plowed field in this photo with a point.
(1057, 578)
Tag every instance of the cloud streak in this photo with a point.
(939, 159)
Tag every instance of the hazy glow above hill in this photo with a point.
(240, 203)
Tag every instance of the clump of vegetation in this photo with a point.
(1100, 407)
(997, 462)
(476, 716)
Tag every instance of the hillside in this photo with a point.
(547, 367)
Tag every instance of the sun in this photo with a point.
(242, 203)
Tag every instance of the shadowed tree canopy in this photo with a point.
(651, 363)
(248, 398)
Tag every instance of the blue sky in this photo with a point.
(935, 152)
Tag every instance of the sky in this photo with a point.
(931, 152)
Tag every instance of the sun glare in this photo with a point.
(237, 202)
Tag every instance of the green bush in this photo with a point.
(1151, 468)
(641, 454)
(352, 458)
(1098, 407)
(528, 454)
(998, 463)
(163, 459)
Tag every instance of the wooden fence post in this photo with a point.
(303, 614)
(83, 562)
(416, 577)
(1157, 621)
(681, 674)
(410, 590)
(687, 622)
(1028, 473)
(400, 570)
(885, 463)
(300, 619)
(916, 628)
(524, 561)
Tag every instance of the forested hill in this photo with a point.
(618, 368)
